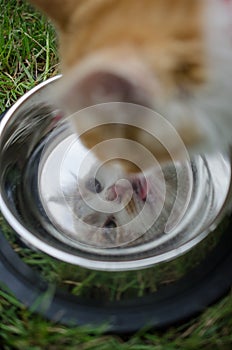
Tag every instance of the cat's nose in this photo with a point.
(108, 76)
(106, 86)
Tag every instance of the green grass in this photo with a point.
(20, 329)
(28, 56)
(28, 50)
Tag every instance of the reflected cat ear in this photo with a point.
(58, 10)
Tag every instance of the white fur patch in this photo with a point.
(216, 98)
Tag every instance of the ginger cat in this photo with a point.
(172, 56)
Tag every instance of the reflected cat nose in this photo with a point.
(121, 190)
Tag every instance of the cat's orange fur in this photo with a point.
(167, 36)
(166, 33)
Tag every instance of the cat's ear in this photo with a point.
(58, 10)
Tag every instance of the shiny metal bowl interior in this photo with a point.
(29, 133)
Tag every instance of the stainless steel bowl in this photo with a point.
(39, 157)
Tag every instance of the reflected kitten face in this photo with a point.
(105, 206)
(109, 209)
